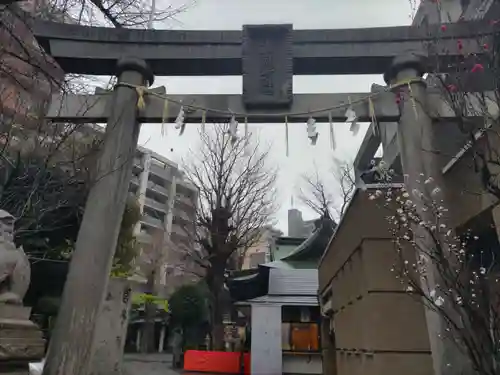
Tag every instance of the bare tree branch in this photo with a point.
(332, 193)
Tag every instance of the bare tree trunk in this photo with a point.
(215, 281)
(148, 330)
(218, 321)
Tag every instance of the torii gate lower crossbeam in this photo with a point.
(322, 107)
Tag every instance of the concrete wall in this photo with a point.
(464, 184)
(302, 364)
(371, 310)
(111, 330)
(266, 350)
(328, 348)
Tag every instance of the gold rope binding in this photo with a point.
(141, 103)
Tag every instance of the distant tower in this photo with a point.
(295, 223)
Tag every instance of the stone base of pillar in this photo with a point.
(111, 332)
(21, 341)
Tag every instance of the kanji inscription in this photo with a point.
(267, 66)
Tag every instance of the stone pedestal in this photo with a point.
(21, 341)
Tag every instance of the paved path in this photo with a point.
(152, 364)
(149, 364)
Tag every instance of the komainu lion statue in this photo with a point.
(15, 268)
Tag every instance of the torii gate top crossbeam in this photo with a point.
(95, 50)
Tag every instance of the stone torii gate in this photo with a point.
(267, 56)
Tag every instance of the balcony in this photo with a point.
(158, 188)
(185, 202)
(154, 204)
(176, 229)
(134, 181)
(137, 166)
(152, 222)
(183, 217)
(162, 172)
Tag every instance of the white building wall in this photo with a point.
(266, 358)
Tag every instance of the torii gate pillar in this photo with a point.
(419, 162)
(71, 345)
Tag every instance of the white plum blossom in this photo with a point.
(439, 301)
(435, 191)
(442, 255)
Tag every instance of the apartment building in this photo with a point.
(168, 204)
(260, 252)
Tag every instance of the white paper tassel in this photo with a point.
(203, 120)
(333, 144)
(233, 130)
(164, 118)
(312, 134)
(353, 119)
(180, 123)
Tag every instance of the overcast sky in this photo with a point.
(304, 14)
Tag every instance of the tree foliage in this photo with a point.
(188, 306)
(189, 312)
(141, 299)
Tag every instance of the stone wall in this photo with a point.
(370, 307)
